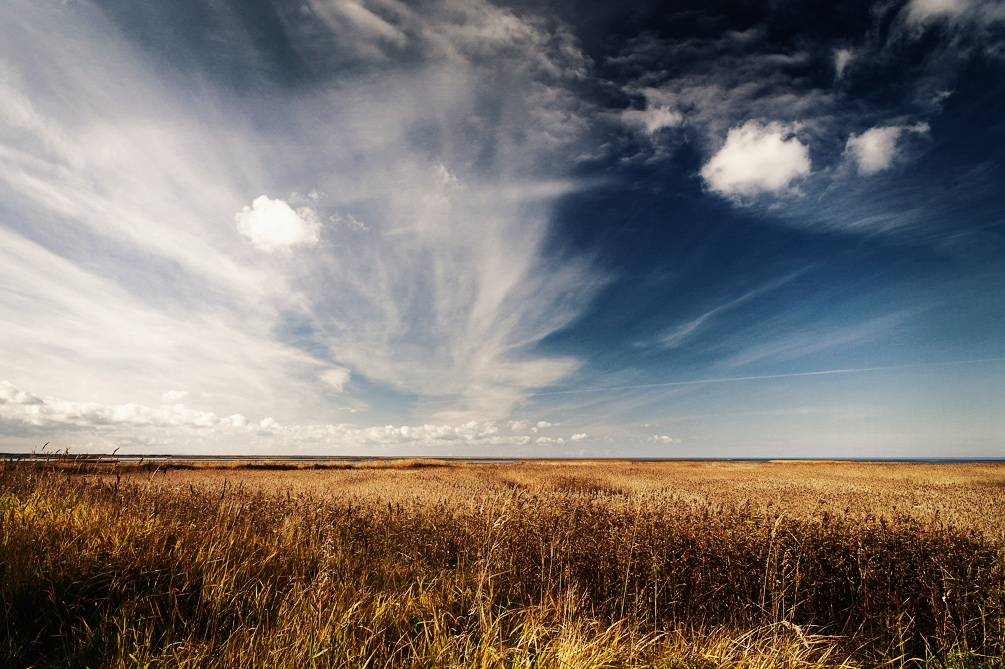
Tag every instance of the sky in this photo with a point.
(536, 229)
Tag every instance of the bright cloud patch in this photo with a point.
(922, 10)
(841, 59)
(652, 120)
(663, 439)
(336, 377)
(109, 426)
(16, 404)
(757, 159)
(875, 149)
(273, 224)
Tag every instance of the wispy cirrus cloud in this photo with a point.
(146, 197)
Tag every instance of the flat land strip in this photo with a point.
(963, 495)
(424, 563)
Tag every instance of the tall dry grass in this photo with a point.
(111, 571)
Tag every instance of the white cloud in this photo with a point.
(16, 404)
(653, 119)
(580, 436)
(919, 11)
(273, 224)
(172, 396)
(445, 296)
(875, 149)
(79, 424)
(336, 377)
(841, 59)
(663, 439)
(757, 159)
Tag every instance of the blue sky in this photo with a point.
(534, 229)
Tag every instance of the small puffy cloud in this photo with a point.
(336, 377)
(172, 396)
(875, 149)
(757, 159)
(549, 441)
(236, 420)
(541, 425)
(663, 439)
(272, 224)
(652, 120)
(518, 425)
(841, 59)
(579, 437)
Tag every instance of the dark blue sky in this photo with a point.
(459, 227)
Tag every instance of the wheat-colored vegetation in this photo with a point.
(432, 564)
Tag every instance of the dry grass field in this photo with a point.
(423, 563)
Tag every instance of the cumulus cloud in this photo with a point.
(336, 377)
(16, 404)
(130, 425)
(663, 439)
(580, 436)
(272, 224)
(875, 149)
(757, 159)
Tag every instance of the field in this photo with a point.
(422, 563)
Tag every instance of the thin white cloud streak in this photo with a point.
(806, 341)
(762, 377)
(685, 332)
